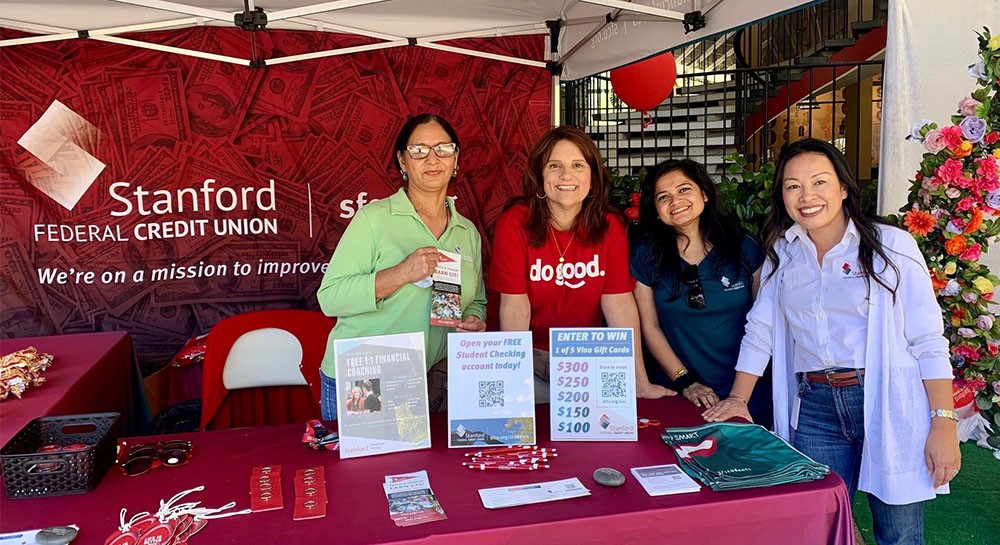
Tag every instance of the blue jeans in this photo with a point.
(328, 397)
(831, 430)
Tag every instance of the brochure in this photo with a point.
(382, 385)
(411, 500)
(491, 393)
(664, 480)
(592, 384)
(510, 496)
(446, 301)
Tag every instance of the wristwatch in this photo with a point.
(944, 413)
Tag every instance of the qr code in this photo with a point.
(613, 384)
(491, 393)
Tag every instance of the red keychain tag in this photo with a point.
(119, 537)
(140, 526)
(196, 527)
(181, 526)
(159, 534)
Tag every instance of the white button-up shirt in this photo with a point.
(826, 304)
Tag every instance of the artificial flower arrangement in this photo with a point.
(954, 213)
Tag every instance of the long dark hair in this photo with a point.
(591, 223)
(715, 225)
(870, 243)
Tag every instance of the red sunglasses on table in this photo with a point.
(142, 457)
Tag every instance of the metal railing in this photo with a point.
(812, 31)
(722, 106)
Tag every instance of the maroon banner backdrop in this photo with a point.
(157, 193)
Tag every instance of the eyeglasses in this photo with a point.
(695, 295)
(143, 457)
(420, 151)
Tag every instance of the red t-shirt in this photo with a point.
(569, 299)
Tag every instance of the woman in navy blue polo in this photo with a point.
(697, 272)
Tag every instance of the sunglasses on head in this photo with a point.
(696, 295)
(420, 151)
(143, 457)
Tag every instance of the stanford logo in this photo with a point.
(705, 448)
(565, 273)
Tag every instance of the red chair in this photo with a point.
(262, 368)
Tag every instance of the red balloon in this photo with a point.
(645, 84)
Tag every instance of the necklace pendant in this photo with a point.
(562, 259)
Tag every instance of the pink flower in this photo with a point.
(966, 204)
(972, 253)
(987, 184)
(951, 172)
(996, 387)
(952, 137)
(969, 297)
(967, 352)
(987, 166)
(934, 141)
(968, 106)
(953, 192)
(976, 385)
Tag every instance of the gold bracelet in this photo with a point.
(738, 398)
(679, 374)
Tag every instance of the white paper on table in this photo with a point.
(405, 481)
(509, 496)
(664, 480)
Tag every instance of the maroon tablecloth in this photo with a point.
(810, 513)
(91, 372)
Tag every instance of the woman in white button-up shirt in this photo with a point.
(843, 292)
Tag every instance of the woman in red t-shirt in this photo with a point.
(560, 253)
(356, 403)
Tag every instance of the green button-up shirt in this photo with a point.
(380, 236)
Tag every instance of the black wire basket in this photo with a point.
(77, 450)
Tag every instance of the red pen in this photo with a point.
(510, 461)
(512, 454)
(484, 467)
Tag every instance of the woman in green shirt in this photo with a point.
(373, 285)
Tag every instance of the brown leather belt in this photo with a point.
(838, 380)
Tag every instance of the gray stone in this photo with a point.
(609, 477)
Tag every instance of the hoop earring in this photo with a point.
(405, 177)
(542, 196)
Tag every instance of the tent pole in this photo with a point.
(171, 49)
(556, 101)
(336, 52)
(555, 68)
(180, 8)
(639, 8)
(480, 54)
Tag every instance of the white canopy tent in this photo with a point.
(591, 35)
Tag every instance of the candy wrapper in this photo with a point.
(22, 369)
